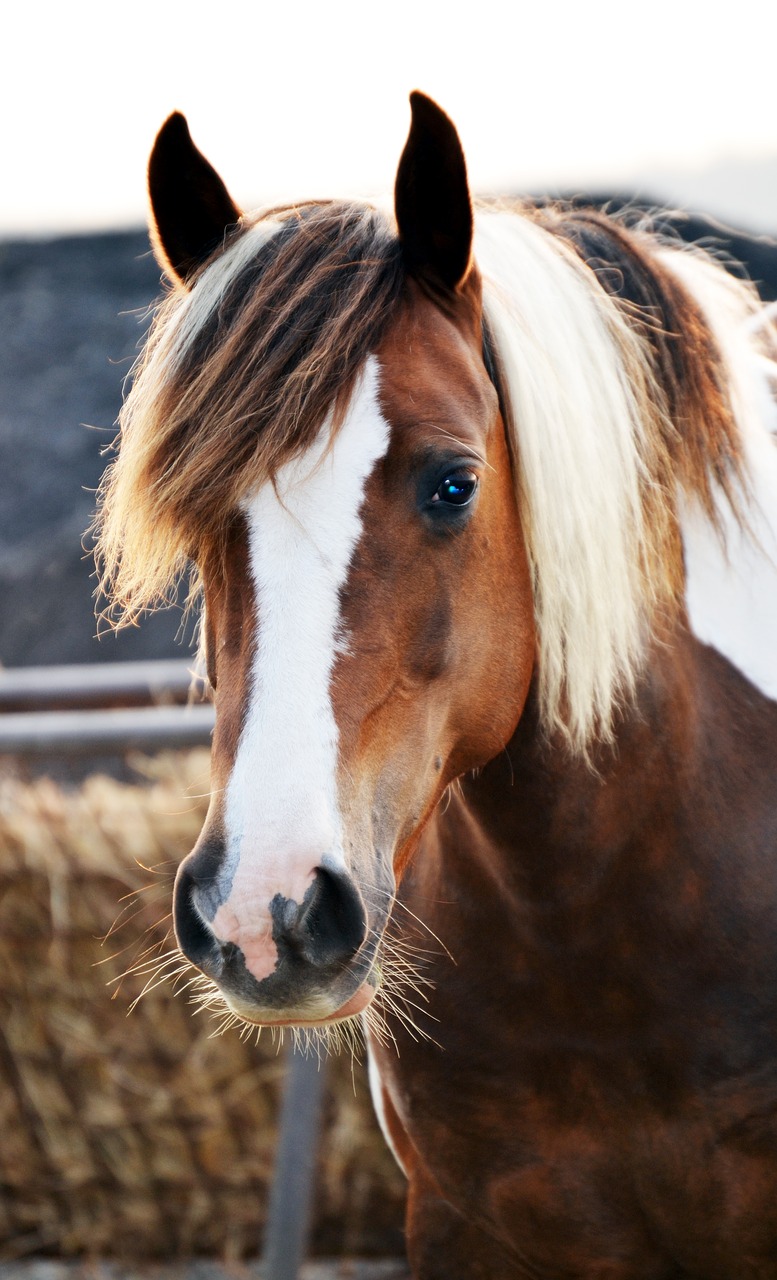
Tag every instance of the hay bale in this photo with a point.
(138, 1134)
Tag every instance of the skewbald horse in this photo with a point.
(483, 511)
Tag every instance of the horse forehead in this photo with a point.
(425, 385)
(432, 375)
(308, 516)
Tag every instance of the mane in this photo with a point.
(621, 393)
(237, 376)
(623, 372)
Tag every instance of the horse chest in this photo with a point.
(591, 1104)
(582, 1185)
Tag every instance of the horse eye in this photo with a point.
(457, 489)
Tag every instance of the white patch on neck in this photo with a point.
(731, 588)
(376, 1093)
(282, 817)
(731, 585)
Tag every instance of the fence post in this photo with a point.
(291, 1194)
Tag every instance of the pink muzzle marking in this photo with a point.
(245, 920)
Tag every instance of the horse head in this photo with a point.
(369, 623)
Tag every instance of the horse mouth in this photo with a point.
(306, 1015)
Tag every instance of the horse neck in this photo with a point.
(539, 821)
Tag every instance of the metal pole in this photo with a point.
(31, 733)
(291, 1194)
(94, 684)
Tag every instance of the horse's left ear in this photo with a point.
(190, 206)
(431, 198)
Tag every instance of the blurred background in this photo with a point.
(141, 1136)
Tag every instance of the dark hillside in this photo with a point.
(71, 314)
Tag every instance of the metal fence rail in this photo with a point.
(100, 709)
(31, 733)
(81, 685)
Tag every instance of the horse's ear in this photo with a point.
(431, 198)
(190, 206)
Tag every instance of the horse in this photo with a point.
(481, 507)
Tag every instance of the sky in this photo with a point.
(299, 99)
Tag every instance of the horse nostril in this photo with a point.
(328, 928)
(194, 937)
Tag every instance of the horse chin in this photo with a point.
(312, 1014)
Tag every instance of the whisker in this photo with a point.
(427, 928)
(151, 985)
(144, 966)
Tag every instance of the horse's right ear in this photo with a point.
(431, 198)
(190, 206)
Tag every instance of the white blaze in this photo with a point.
(281, 812)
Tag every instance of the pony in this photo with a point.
(481, 505)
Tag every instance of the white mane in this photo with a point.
(582, 428)
(585, 421)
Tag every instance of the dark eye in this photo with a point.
(457, 489)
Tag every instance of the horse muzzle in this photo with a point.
(293, 963)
